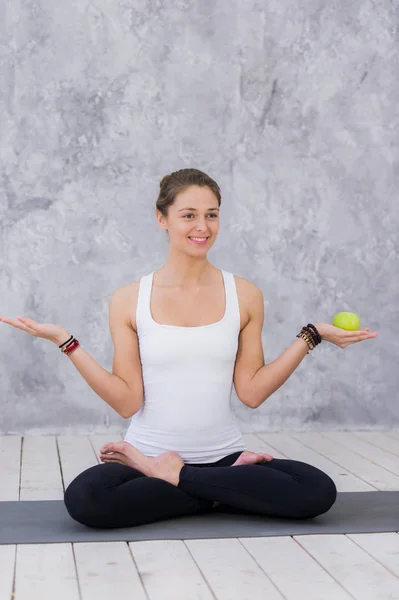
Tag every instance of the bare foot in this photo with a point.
(123, 453)
(166, 466)
(252, 458)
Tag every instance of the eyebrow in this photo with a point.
(195, 209)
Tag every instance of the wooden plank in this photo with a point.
(77, 455)
(168, 571)
(40, 472)
(360, 574)
(376, 455)
(7, 563)
(375, 475)
(10, 466)
(384, 547)
(106, 570)
(45, 572)
(230, 570)
(99, 439)
(256, 444)
(294, 572)
(296, 450)
(379, 439)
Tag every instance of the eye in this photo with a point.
(212, 215)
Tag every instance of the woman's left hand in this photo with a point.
(342, 338)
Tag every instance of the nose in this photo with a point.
(201, 224)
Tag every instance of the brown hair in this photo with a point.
(171, 185)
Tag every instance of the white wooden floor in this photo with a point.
(312, 567)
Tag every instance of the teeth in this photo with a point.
(198, 239)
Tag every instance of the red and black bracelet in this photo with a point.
(69, 346)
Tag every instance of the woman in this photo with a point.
(182, 336)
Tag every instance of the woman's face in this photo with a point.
(193, 220)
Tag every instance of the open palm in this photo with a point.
(47, 331)
(343, 338)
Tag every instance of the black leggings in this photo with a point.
(113, 495)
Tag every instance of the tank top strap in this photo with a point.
(143, 314)
(232, 304)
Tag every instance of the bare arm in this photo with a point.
(123, 388)
(253, 380)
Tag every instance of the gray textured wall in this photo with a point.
(291, 106)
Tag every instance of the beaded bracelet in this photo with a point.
(318, 336)
(307, 339)
(310, 335)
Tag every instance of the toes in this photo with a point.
(105, 448)
(112, 447)
(267, 457)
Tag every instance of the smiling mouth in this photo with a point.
(198, 240)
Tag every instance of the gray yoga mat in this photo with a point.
(36, 522)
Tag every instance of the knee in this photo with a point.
(323, 496)
(75, 500)
(81, 501)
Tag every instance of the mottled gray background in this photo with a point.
(291, 106)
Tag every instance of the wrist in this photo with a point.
(61, 337)
(320, 329)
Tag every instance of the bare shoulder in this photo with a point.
(125, 298)
(250, 299)
(247, 287)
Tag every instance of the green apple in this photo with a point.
(347, 320)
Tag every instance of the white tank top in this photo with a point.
(188, 381)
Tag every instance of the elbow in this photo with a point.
(126, 415)
(250, 396)
(130, 409)
(252, 405)
(253, 402)
(249, 401)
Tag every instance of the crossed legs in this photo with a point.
(115, 494)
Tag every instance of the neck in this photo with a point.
(182, 269)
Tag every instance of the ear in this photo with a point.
(162, 221)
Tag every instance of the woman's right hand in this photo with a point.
(54, 333)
